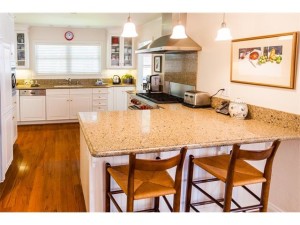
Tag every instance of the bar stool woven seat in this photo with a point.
(143, 179)
(234, 171)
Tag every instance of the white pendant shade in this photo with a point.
(224, 33)
(178, 32)
(129, 29)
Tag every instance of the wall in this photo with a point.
(56, 34)
(214, 73)
(214, 59)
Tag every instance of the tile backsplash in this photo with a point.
(181, 68)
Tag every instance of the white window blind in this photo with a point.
(67, 59)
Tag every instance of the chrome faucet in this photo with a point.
(69, 81)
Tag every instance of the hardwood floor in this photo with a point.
(44, 175)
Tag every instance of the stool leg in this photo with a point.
(156, 204)
(107, 188)
(264, 196)
(228, 197)
(189, 183)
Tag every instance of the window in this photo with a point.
(67, 59)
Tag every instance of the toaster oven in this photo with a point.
(197, 99)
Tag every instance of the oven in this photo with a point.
(13, 78)
(138, 103)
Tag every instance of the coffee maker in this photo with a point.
(153, 82)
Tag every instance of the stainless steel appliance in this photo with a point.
(153, 82)
(116, 79)
(13, 80)
(165, 44)
(197, 99)
(160, 98)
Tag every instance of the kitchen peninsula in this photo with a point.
(111, 136)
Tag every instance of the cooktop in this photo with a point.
(160, 98)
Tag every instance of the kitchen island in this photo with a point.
(111, 136)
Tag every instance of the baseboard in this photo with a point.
(46, 122)
(274, 208)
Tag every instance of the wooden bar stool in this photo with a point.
(233, 171)
(143, 179)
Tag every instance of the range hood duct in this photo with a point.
(165, 44)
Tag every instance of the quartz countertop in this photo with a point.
(145, 131)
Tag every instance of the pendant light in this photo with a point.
(178, 31)
(129, 29)
(224, 33)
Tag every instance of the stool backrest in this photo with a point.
(268, 154)
(157, 165)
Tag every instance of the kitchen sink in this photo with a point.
(67, 86)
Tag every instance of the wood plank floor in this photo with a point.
(44, 175)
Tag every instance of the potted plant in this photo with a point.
(127, 78)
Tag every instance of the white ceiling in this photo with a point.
(93, 20)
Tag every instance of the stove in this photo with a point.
(160, 98)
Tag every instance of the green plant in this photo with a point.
(127, 76)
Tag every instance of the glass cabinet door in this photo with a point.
(21, 59)
(115, 51)
(127, 52)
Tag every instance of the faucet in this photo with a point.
(69, 81)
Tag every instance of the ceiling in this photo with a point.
(87, 20)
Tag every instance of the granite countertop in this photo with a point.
(62, 86)
(144, 131)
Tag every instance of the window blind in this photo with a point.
(67, 59)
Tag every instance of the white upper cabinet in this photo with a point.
(120, 51)
(21, 46)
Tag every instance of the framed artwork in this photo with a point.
(265, 60)
(158, 64)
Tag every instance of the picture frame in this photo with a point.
(157, 64)
(265, 60)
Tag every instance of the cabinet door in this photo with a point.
(22, 48)
(57, 107)
(114, 47)
(6, 143)
(32, 108)
(127, 50)
(5, 78)
(14, 125)
(80, 103)
(120, 99)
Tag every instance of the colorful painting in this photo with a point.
(266, 60)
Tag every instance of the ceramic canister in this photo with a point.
(238, 109)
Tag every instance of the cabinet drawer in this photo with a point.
(100, 90)
(99, 102)
(99, 108)
(100, 96)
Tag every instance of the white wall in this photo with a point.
(214, 59)
(214, 73)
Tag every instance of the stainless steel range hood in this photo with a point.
(165, 44)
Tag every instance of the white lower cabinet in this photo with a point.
(14, 124)
(102, 99)
(64, 104)
(80, 101)
(32, 108)
(120, 98)
(6, 145)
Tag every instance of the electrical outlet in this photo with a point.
(226, 92)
